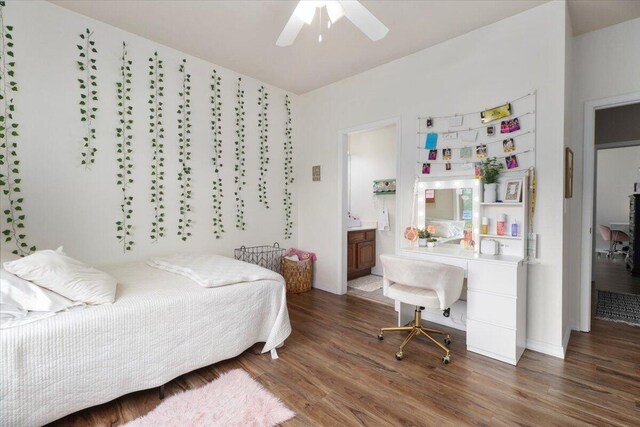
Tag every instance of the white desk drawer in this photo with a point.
(491, 277)
(495, 309)
(492, 339)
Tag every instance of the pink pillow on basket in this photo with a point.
(302, 255)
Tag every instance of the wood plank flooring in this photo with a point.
(610, 274)
(334, 372)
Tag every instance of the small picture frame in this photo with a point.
(426, 168)
(448, 166)
(481, 151)
(316, 173)
(491, 130)
(433, 154)
(446, 154)
(512, 191)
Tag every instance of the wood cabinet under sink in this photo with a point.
(361, 253)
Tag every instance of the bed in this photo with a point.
(160, 326)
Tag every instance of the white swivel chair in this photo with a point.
(424, 284)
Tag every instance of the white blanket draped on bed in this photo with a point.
(161, 326)
(209, 270)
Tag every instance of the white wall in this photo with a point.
(606, 63)
(67, 205)
(617, 171)
(373, 156)
(463, 74)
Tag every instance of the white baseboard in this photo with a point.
(565, 339)
(546, 348)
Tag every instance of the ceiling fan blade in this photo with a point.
(364, 20)
(290, 31)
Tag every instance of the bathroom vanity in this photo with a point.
(361, 251)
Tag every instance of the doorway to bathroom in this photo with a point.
(371, 208)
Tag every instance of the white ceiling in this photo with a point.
(241, 35)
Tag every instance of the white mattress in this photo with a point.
(161, 326)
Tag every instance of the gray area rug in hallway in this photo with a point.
(618, 307)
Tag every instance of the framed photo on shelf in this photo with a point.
(512, 191)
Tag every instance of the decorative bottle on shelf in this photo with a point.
(514, 229)
(501, 225)
(484, 226)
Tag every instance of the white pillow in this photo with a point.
(66, 276)
(28, 296)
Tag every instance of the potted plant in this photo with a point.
(431, 242)
(490, 172)
(423, 235)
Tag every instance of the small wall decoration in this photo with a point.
(429, 122)
(184, 154)
(124, 133)
(263, 128)
(240, 160)
(156, 130)
(496, 113)
(512, 191)
(455, 121)
(568, 173)
(511, 161)
(446, 154)
(384, 186)
(10, 180)
(426, 168)
(431, 141)
(288, 171)
(88, 95)
(508, 126)
(216, 160)
(316, 173)
(481, 151)
(433, 154)
(508, 145)
(491, 130)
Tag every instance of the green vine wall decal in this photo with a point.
(288, 171)
(88, 95)
(9, 164)
(240, 157)
(124, 133)
(263, 127)
(216, 133)
(156, 129)
(184, 144)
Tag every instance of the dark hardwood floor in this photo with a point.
(610, 274)
(334, 372)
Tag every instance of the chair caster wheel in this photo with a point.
(447, 341)
(447, 312)
(380, 337)
(399, 355)
(445, 360)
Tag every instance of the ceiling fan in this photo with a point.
(336, 9)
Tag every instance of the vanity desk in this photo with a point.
(496, 306)
(494, 314)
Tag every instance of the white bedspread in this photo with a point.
(209, 270)
(161, 326)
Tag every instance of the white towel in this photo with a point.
(383, 219)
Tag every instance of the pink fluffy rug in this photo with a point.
(234, 399)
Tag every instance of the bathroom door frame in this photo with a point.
(343, 146)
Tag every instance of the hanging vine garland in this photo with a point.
(156, 130)
(288, 171)
(124, 133)
(263, 126)
(240, 160)
(216, 132)
(88, 95)
(9, 163)
(184, 143)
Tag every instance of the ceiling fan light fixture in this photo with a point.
(334, 10)
(305, 10)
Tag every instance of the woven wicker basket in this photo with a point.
(298, 275)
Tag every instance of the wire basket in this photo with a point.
(265, 256)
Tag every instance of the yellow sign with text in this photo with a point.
(496, 113)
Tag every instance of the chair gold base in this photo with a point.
(415, 329)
